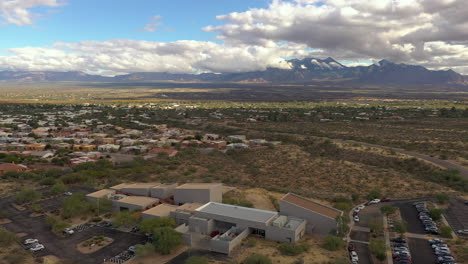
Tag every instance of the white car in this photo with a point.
(69, 231)
(68, 193)
(356, 219)
(361, 207)
(38, 247)
(357, 209)
(463, 232)
(353, 255)
(30, 241)
(375, 201)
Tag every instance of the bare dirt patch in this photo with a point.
(94, 244)
(4, 221)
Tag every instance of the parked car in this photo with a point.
(398, 240)
(385, 199)
(463, 232)
(356, 219)
(68, 193)
(30, 241)
(434, 241)
(351, 247)
(375, 201)
(68, 231)
(132, 250)
(38, 247)
(353, 255)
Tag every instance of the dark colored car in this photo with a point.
(351, 247)
(385, 199)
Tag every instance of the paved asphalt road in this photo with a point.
(410, 215)
(421, 252)
(363, 252)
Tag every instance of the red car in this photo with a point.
(351, 247)
(385, 199)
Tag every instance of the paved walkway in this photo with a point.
(387, 241)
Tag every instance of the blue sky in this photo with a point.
(100, 20)
(107, 36)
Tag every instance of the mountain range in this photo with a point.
(301, 71)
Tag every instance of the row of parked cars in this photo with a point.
(33, 245)
(362, 206)
(400, 251)
(353, 256)
(442, 251)
(429, 225)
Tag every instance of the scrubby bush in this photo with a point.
(165, 239)
(291, 249)
(435, 214)
(75, 205)
(378, 249)
(148, 225)
(27, 195)
(7, 238)
(257, 259)
(446, 231)
(333, 243)
(442, 198)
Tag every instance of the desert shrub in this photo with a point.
(56, 223)
(446, 231)
(47, 181)
(257, 259)
(378, 249)
(15, 258)
(401, 227)
(291, 249)
(27, 195)
(240, 202)
(196, 260)
(332, 243)
(374, 194)
(442, 198)
(251, 242)
(58, 187)
(145, 250)
(388, 209)
(7, 238)
(125, 218)
(148, 225)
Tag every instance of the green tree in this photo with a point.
(342, 227)
(103, 205)
(27, 195)
(148, 225)
(388, 209)
(196, 260)
(333, 243)
(257, 259)
(435, 214)
(126, 219)
(401, 227)
(75, 205)
(378, 249)
(165, 239)
(145, 250)
(58, 187)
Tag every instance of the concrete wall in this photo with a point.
(116, 205)
(214, 194)
(285, 235)
(240, 223)
(316, 223)
(137, 191)
(201, 225)
(226, 247)
(181, 217)
(163, 192)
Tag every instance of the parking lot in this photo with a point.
(421, 251)
(65, 247)
(410, 215)
(457, 214)
(363, 252)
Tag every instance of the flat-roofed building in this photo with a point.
(140, 189)
(119, 187)
(198, 193)
(224, 226)
(162, 210)
(163, 191)
(133, 203)
(182, 213)
(321, 219)
(105, 193)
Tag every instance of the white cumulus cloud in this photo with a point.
(19, 12)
